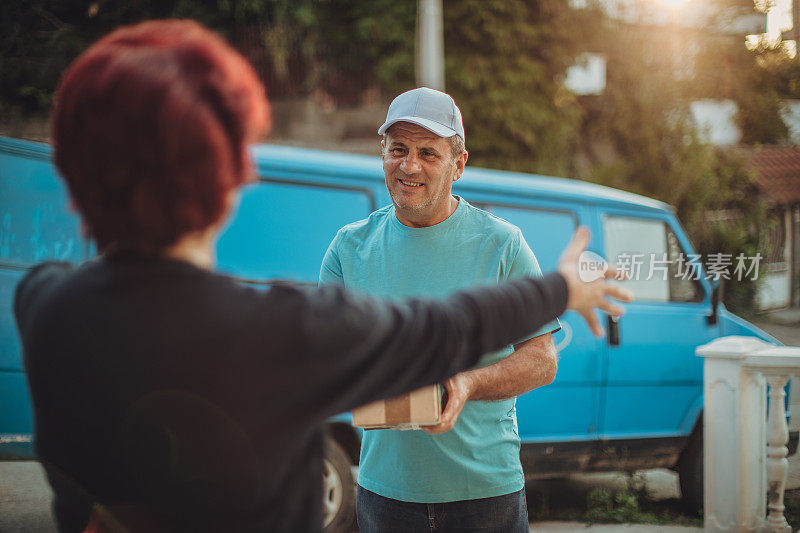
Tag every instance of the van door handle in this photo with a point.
(613, 330)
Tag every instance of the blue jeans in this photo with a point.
(501, 514)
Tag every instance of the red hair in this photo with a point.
(150, 129)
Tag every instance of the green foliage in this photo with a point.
(624, 506)
(632, 504)
(752, 79)
(505, 59)
(604, 506)
(784, 72)
(362, 44)
(792, 512)
(39, 38)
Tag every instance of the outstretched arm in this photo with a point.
(361, 350)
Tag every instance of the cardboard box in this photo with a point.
(422, 407)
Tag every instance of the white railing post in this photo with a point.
(777, 464)
(744, 450)
(778, 364)
(733, 434)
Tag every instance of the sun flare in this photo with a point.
(675, 4)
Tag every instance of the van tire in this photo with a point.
(338, 489)
(690, 471)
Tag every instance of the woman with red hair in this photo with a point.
(168, 397)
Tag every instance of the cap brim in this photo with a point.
(439, 129)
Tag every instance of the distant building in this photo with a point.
(716, 120)
(777, 173)
(588, 75)
(791, 117)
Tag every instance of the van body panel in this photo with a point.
(692, 415)
(274, 160)
(10, 348)
(558, 459)
(731, 324)
(36, 224)
(654, 371)
(554, 189)
(547, 228)
(16, 421)
(569, 408)
(281, 229)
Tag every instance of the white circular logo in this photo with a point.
(591, 267)
(567, 329)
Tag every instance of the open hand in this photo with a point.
(586, 297)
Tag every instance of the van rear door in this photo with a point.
(652, 384)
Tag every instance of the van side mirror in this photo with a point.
(716, 295)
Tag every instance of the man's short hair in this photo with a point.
(456, 145)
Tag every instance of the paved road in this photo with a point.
(787, 334)
(563, 527)
(25, 497)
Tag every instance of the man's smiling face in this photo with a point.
(420, 170)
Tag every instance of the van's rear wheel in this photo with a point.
(338, 489)
(690, 471)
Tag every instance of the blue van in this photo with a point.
(629, 401)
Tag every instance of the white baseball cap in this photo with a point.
(433, 110)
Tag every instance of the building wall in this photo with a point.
(791, 117)
(795, 247)
(716, 120)
(779, 277)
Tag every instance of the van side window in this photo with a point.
(281, 229)
(682, 286)
(546, 232)
(649, 251)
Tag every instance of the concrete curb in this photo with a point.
(784, 317)
(561, 527)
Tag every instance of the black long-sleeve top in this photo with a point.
(167, 387)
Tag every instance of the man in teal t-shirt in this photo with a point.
(465, 472)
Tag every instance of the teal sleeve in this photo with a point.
(525, 264)
(330, 273)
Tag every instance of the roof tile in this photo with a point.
(777, 171)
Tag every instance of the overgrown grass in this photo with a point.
(791, 499)
(631, 505)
